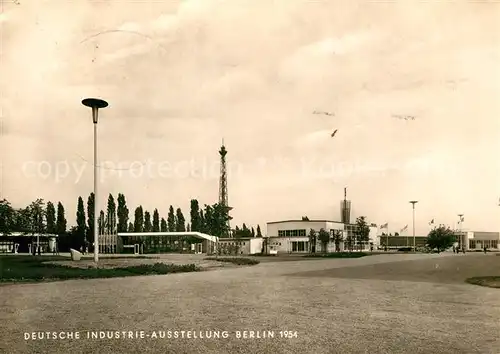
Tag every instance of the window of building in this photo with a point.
(292, 233)
(299, 246)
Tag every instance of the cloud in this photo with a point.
(125, 52)
(159, 29)
(315, 138)
(4, 17)
(343, 45)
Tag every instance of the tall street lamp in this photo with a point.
(461, 241)
(95, 104)
(413, 202)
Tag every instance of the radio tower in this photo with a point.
(223, 199)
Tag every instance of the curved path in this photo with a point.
(377, 304)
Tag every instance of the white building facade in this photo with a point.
(477, 240)
(241, 245)
(292, 236)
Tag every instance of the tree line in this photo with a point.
(40, 217)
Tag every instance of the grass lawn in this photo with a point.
(234, 260)
(337, 255)
(34, 268)
(489, 281)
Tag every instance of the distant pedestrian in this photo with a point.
(484, 250)
(463, 250)
(454, 249)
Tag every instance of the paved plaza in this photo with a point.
(408, 303)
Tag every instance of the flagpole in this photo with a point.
(406, 240)
(387, 236)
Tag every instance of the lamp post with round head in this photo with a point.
(95, 104)
(461, 239)
(413, 202)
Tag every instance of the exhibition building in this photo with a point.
(469, 240)
(292, 236)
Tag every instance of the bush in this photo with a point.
(235, 260)
(405, 249)
(159, 268)
(129, 257)
(440, 238)
(338, 255)
(263, 255)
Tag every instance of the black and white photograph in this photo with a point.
(250, 176)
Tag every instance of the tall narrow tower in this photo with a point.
(345, 209)
(223, 197)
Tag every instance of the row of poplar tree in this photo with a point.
(39, 217)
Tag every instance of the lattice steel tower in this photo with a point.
(223, 197)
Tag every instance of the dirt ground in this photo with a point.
(377, 304)
(454, 269)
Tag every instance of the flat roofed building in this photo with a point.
(470, 240)
(292, 236)
(477, 240)
(240, 245)
(157, 242)
(396, 242)
(20, 242)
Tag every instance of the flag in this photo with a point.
(431, 222)
(404, 228)
(384, 226)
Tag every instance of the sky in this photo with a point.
(181, 76)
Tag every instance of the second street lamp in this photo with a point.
(461, 239)
(413, 202)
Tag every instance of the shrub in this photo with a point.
(159, 268)
(235, 260)
(338, 255)
(440, 238)
(263, 255)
